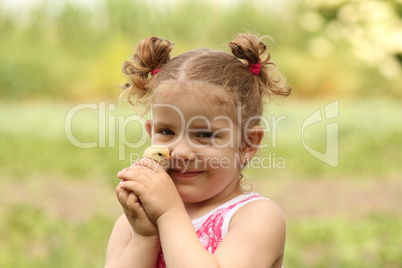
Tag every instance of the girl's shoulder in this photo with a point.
(227, 209)
(259, 207)
(256, 209)
(257, 229)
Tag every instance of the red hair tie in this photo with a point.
(155, 71)
(255, 68)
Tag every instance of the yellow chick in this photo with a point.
(159, 153)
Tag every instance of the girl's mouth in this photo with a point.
(185, 173)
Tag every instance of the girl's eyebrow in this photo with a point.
(162, 123)
(194, 125)
(204, 126)
(201, 125)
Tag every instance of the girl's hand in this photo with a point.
(153, 186)
(136, 214)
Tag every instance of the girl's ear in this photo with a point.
(148, 127)
(251, 143)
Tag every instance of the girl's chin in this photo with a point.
(189, 195)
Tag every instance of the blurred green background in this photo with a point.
(57, 200)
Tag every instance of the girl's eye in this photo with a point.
(166, 132)
(205, 135)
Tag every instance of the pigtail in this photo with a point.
(251, 49)
(150, 56)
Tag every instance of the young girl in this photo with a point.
(206, 107)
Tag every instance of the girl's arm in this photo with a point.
(128, 250)
(135, 240)
(256, 235)
(256, 238)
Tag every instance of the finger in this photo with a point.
(118, 190)
(133, 186)
(134, 203)
(136, 163)
(139, 174)
(150, 164)
(122, 196)
(132, 198)
(122, 171)
(124, 175)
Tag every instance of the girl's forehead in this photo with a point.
(196, 96)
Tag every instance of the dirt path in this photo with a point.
(328, 198)
(61, 198)
(79, 200)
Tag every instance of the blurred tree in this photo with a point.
(65, 49)
(372, 29)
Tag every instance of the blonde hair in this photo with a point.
(230, 72)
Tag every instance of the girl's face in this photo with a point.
(203, 139)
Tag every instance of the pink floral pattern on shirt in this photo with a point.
(210, 232)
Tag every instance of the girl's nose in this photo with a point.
(182, 151)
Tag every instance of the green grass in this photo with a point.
(31, 238)
(372, 241)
